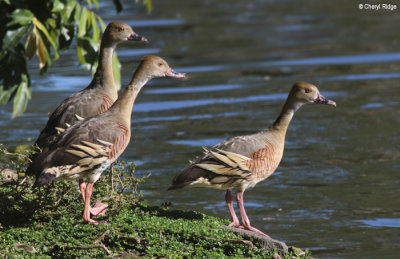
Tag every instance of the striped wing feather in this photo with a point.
(83, 147)
(228, 163)
(231, 163)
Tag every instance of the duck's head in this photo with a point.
(117, 32)
(305, 93)
(158, 67)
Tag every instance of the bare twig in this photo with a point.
(122, 184)
(23, 181)
(19, 155)
(106, 249)
(101, 238)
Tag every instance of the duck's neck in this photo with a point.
(122, 108)
(282, 122)
(104, 77)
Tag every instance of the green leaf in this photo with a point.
(6, 94)
(96, 30)
(80, 52)
(70, 12)
(51, 23)
(41, 51)
(89, 2)
(103, 26)
(96, 3)
(118, 5)
(148, 5)
(43, 29)
(89, 15)
(77, 14)
(22, 96)
(20, 16)
(82, 23)
(13, 37)
(30, 45)
(58, 6)
(87, 50)
(116, 71)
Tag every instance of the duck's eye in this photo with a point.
(160, 64)
(308, 90)
(120, 29)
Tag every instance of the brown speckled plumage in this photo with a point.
(241, 162)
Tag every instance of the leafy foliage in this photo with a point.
(43, 28)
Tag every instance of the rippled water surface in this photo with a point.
(336, 191)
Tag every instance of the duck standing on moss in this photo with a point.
(241, 162)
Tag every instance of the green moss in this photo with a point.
(49, 220)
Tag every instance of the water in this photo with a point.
(336, 190)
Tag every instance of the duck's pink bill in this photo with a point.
(322, 100)
(136, 37)
(172, 73)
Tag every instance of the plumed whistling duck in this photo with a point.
(241, 162)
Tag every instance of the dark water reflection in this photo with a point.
(336, 191)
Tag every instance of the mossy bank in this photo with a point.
(47, 223)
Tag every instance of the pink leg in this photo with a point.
(82, 188)
(228, 199)
(87, 209)
(245, 219)
(99, 208)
